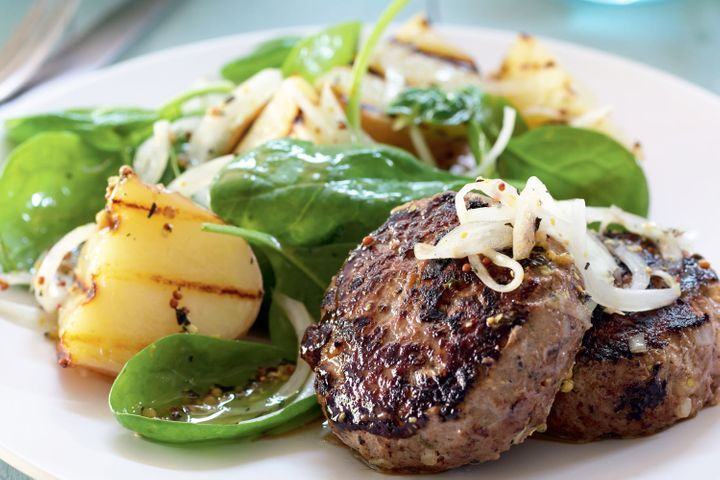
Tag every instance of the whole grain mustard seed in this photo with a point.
(467, 268)
(149, 412)
(704, 263)
(567, 386)
(368, 240)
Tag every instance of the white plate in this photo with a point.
(55, 423)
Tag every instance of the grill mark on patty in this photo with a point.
(387, 386)
(638, 398)
(608, 339)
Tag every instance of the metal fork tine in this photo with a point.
(20, 35)
(47, 28)
(21, 42)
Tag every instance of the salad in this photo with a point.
(187, 250)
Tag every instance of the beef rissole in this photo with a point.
(420, 367)
(623, 392)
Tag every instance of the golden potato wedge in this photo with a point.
(224, 124)
(423, 58)
(297, 111)
(544, 92)
(150, 271)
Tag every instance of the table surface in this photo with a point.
(679, 36)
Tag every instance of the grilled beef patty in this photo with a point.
(420, 367)
(621, 393)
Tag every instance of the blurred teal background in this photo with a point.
(679, 36)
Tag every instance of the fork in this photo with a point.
(32, 41)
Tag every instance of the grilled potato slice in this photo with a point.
(544, 92)
(423, 58)
(150, 271)
(297, 111)
(223, 125)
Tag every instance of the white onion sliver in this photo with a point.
(47, 293)
(300, 320)
(421, 146)
(487, 279)
(506, 131)
(196, 181)
(510, 222)
(637, 343)
(29, 316)
(591, 117)
(153, 154)
(16, 278)
(464, 240)
(634, 262)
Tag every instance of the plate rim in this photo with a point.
(60, 86)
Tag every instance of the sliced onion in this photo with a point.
(510, 221)
(627, 300)
(15, 278)
(591, 117)
(670, 242)
(195, 182)
(464, 240)
(503, 138)
(500, 260)
(21, 313)
(300, 320)
(637, 344)
(47, 292)
(421, 146)
(635, 263)
(153, 154)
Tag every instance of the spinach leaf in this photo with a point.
(313, 195)
(302, 273)
(182, 365)
(433, 106)
(49, 184)
(578, 163)
(269, 54)
(107, 129)
(318, 53)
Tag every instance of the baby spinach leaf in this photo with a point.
(578, 163)
(182, 366)
(106, 129)
(302, 273)
(433, 106)
(49, 184)
(318, 53)
(269, 54)
(313, 195)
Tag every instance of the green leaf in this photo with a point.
(318, 53)
(578, 163)
(269, 54)
(183, 363)
(49, 184)
(307, 195)
(104, 128)
(302, 273)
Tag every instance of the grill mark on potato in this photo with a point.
(165, 211)
(461, 63)
(207, 287)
